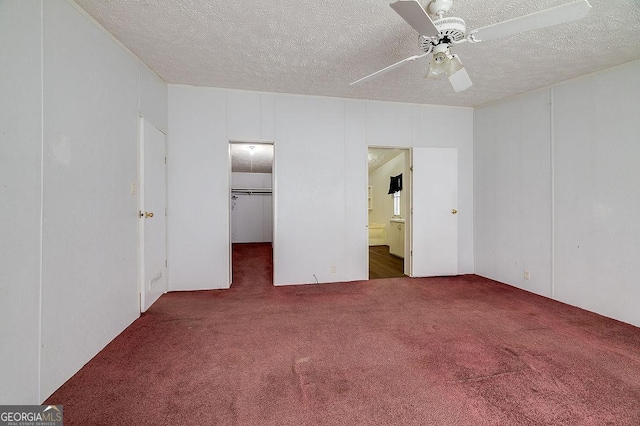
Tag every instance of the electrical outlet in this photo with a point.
(527, 275)
(133, 188)
(333, 268)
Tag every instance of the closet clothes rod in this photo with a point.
(251, 191)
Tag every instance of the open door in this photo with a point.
(152, 201)
(435, 220)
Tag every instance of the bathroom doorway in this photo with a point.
(251, 212)
(389, 211)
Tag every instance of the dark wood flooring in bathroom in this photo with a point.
(384, 265)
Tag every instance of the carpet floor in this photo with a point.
(436, 351)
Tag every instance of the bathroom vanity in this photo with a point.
(396, 237)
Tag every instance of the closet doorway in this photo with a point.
(389, 204)
(251, 213)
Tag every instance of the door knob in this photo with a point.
(148, 214)
(453, 211)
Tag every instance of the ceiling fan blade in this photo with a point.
(414, 14)
(545, 18)
(387, 69)
(458, 76)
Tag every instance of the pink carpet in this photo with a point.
(439, 351)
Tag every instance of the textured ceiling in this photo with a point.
(319, 47)
(379, 156)
(251, 158)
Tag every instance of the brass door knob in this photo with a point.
(148, 214)
(453, 211)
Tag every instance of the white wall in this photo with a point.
(356, 259)
(310, 182)
(84, 128)
(404, 125)
(153, 100)
(89, 230)
(556, 186)
(513, 192)
(198, 189)
(320, 178)
(596, 124)
(20, 199)
(251, 214)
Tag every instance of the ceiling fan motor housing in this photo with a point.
(450, 31)
(439, 7)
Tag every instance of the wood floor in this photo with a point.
(384, 265)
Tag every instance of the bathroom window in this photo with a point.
(396, 203)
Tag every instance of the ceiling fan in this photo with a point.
(439, 34)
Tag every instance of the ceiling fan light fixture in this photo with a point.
(454, 66)
(458, 76)
(440, 62)
(437, 66)
(441, 59)
(430, 73)
(435, 37)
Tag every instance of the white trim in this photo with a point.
(553, 195)
(274, 203)
(408, 229)
(140, 193)
(250, 142)
(41, 254)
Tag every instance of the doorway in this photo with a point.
(251, 210)
(388, 203)
(423, 212)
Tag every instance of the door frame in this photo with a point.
(138, 189)
(408, 205)
(274, 202)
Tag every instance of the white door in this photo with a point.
(435, 220)
(152, 214)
